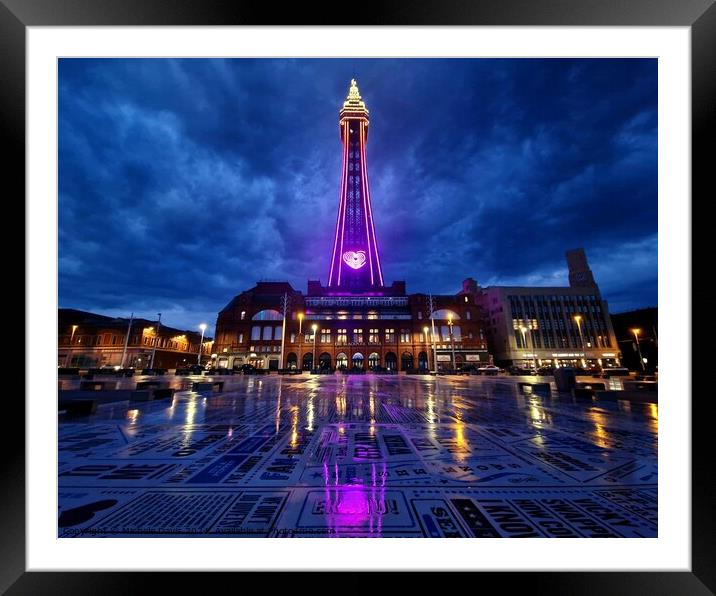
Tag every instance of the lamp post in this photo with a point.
(284, 304)
(156, 339)
(452, 343)
(300, 340)
(636, 333)
(201, 342)
(523, 330)
(427, 347)
(578, 318)
(126, 340)
(432, 324)
(314, 327)
(69, 350)
(532, 327)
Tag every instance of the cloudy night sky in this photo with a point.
(183, 182)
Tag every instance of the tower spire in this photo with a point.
(355, 263)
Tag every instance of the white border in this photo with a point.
(670, 551)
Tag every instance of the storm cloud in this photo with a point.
(183, 182)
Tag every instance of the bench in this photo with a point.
(648, 397)
(163, 393)
(77, 407)
(583, 392)
(207, 386)
(93, 385)
(149, 384)
(640, 386)
(105, 396)
(590, 385)
(534, 387)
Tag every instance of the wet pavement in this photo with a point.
(360, 456)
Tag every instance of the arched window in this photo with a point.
(341, 360)
(267, 315)
(374, 360)
(308, 361)
(445, 314)
(391, 361)
(358, 360)
(291, 361)
(423, 361)
(324, 361)
(406, 361)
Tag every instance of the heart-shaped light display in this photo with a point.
(354, 259)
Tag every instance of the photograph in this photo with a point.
(357, 297)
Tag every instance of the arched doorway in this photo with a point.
(292, 361)
(358, 361)
(406, 361)
(308, 361)
(391, 361)
(423, 361)
(341, 361)
(324, 361)
(373, 360)
(459, 361)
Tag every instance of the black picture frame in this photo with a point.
(699, 15)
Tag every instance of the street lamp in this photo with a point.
(300, 326)
(315, 328)
(523, 330)
(69, 350)
(201, 342)
(532, 327)
(432, 325)
(452, 343)
(427, 348)
(578, 318)
(636, 333)
(156, 339)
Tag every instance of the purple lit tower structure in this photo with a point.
(355, 262)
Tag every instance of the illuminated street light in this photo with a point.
(156, 339)
(578, 318)
(69, 350)
(427, 347)
(201, 342)
(523, 330)
(300, 341)
(452, 343)
(315, 328)
(636, 333)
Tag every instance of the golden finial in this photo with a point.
(353, 92)
(354, 102)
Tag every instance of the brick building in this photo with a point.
(87, 339)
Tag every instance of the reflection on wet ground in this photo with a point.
(371, 456)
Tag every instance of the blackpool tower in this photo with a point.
(355, 263)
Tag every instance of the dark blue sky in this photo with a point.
(183, 182)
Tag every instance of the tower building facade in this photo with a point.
(355, 262)
(358, 323)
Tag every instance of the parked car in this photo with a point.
(488, 370)
(518, 371)
(248, 369)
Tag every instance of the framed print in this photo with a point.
(182, 165)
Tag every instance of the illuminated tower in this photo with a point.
(355, 264)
